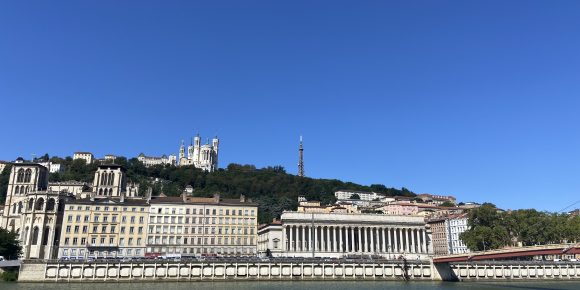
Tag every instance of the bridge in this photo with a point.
(511, 253)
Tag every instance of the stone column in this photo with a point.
(389, 245)
(327, 243)
(340, 239)
(335, 243)
(291, 240)
(310, 239)
(302, 239)
(372, 249)
(413, 241)
(316, 238)
(284, 238)
(384, 248)
(322, 239)
(400, 245)
(359, 239)
(425, 241)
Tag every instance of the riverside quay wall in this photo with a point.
(507, 270)
(32, 271)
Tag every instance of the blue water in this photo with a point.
(299, 285)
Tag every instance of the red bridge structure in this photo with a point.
(512, 253)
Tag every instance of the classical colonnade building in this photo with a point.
(341, 234)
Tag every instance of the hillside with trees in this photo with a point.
(272, 188)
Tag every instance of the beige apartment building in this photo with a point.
(196, 226)
(105, 227)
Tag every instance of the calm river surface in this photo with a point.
(299, 285)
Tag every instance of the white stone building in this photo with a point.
(340, 234)
(110, 180)
(455, 226)
(364, 195)
(53, 167)
(32, 211)
(270, 238)
(201, 156)
(155, 160)
(86, 156)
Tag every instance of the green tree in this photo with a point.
(486, 229)
(448, 204)
(4, 178)
(9, 245)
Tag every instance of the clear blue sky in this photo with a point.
(478, 99)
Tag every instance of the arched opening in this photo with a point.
(104, 180)
(111, 178)
(17, 189)
(50, 204)
(14, 209)
(25, 237)
(55, 241)
(39, 204)
(30, 203)
(27, 175)
(34, 236)
(26, 191)
(20, 207)
(45, 236)
(20, 175)
(100, 191)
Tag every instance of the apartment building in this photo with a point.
(197, 226)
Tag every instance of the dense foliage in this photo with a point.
(9, 245)
(271, 188)
(493, 229)
(4, 178)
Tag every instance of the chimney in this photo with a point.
(242, 198)
(184, 196)
(122, 197)
(216, 197)
(92, 196)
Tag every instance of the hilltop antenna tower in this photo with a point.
(301, 159)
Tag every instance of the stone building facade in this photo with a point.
(194, 226)
(155, 160)
(32, 211)
(201, 156)
(341, 234)
(103, 228)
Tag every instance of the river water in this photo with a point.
(299, 285)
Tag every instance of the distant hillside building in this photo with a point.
(86, 156)
(201, 156)
(436, 199)
(53, 167)
(363, 195)
(154, 160)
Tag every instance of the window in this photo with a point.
(75, 240)
(68, 229)
(83, 241)
(85, 229)
(70, 218)
(66, 241)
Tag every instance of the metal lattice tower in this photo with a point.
(301, 159)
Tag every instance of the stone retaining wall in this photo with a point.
(197, 271)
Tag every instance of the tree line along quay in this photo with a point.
(122, 210)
